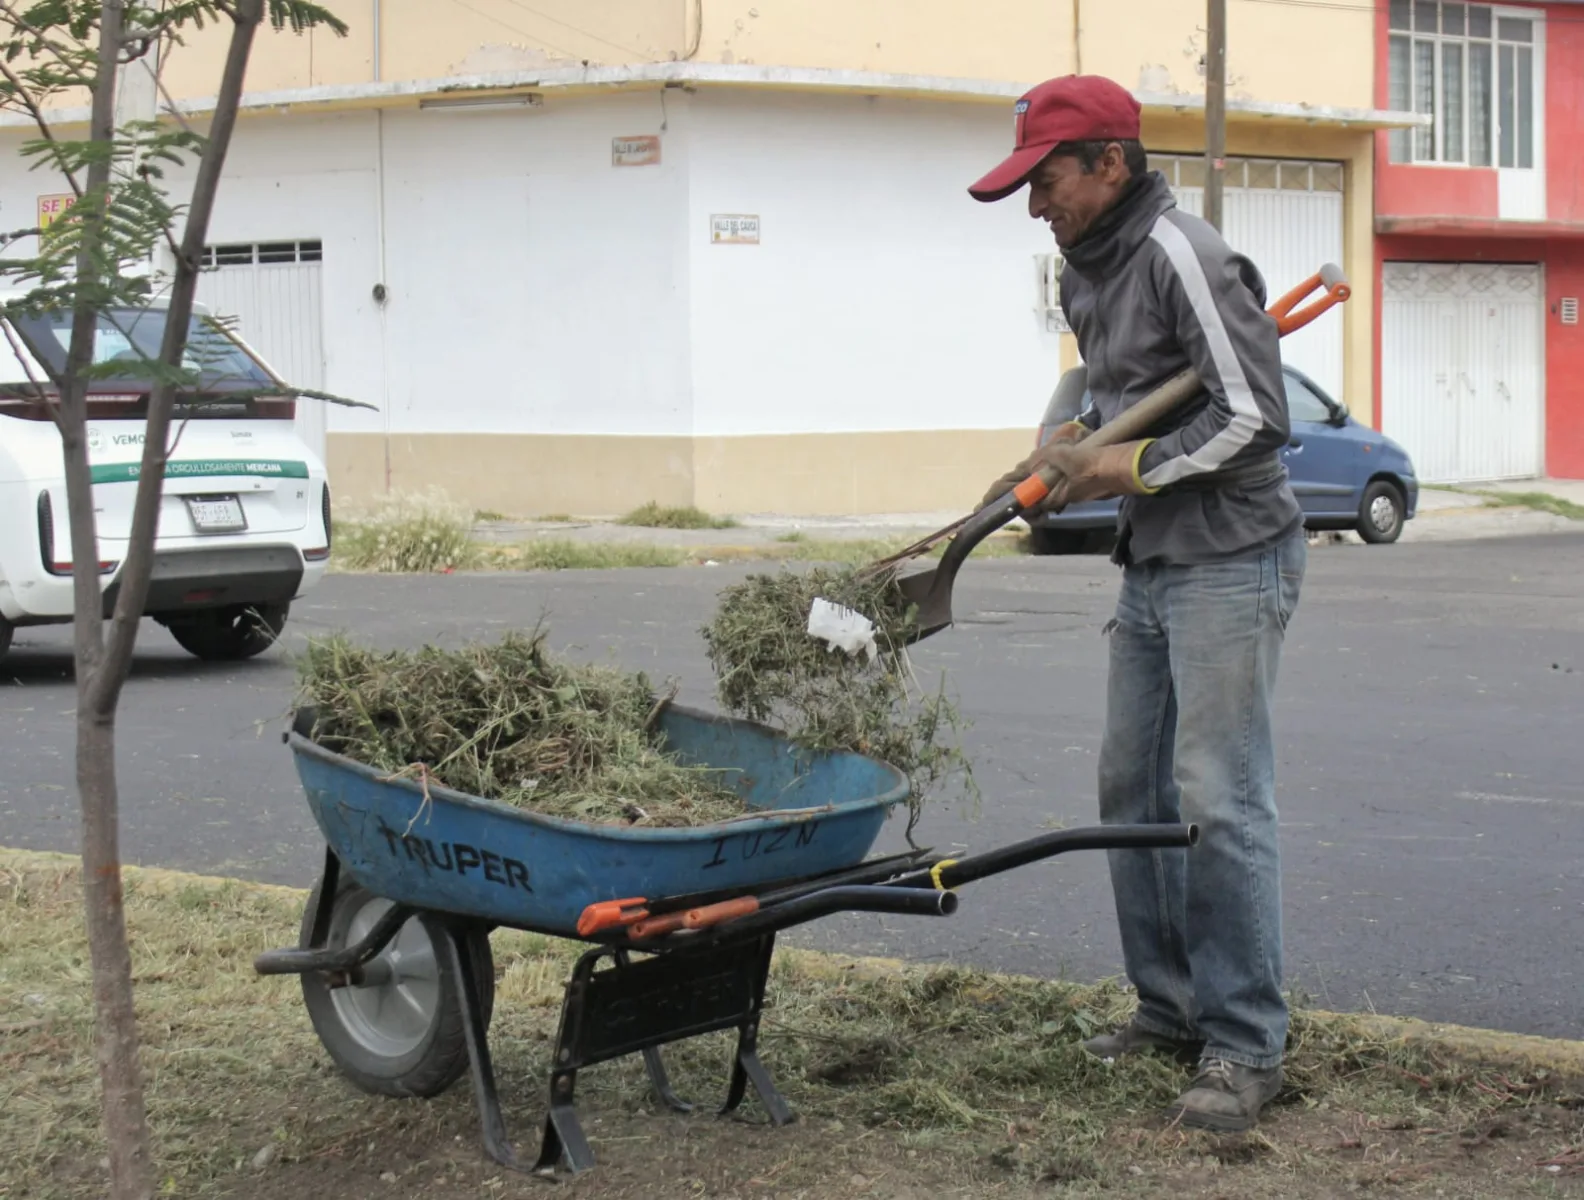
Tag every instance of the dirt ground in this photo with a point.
(909, 1083)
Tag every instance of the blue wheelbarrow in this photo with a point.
(394, 953)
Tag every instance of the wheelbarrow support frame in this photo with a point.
(688, 983)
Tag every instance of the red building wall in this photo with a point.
(1468, 196)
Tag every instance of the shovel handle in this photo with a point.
(1136, 421)
(1128, 426)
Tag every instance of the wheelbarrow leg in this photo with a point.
(746, 1066)
(658, 1079)
(564, 1140)
(492, 1123)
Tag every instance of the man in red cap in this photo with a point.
(1211, 543)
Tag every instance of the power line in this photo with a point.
(578, 29)
(516, 29)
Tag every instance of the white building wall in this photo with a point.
(881, 296)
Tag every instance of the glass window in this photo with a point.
(1424, 81)
(1525, 107)
(1471, 70)
(1451, 102)
(1303, 404)
(1513, 29)
(1479, 104)
(1506, 109)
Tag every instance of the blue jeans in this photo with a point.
(1194, 652)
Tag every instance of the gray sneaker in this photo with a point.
(1226, 1097)
(1131, 1039)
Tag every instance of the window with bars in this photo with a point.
(1471, 68)
(242, 254)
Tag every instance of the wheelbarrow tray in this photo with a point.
(441, 850)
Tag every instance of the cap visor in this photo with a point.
(1011, 174)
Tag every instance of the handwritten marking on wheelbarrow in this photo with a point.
(457, 857)
(760, 845)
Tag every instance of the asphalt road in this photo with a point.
(1431, 746)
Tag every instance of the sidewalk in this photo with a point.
(1443, 515)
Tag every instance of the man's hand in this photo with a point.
(1094, 473)
(1069, 434)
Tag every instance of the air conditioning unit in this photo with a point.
(1047, 273)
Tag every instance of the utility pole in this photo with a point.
(1215, 112)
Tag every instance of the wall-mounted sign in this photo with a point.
(51, 208)
(635, 151)
(734, 229)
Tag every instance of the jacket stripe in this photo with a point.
(1246, 418)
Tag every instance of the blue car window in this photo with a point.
(1302, 403)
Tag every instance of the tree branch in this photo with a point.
(108, 682)
(30, 102)
(38, 388)
(16, 235)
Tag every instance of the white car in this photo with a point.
(244, 523)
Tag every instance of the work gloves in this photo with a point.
(1087, 472)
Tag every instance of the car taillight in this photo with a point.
(46, 531)
(320, 553)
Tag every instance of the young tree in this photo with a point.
(91, 261)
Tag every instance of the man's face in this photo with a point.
(1069, 199)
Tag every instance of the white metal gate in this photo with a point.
(1286, 216)
(1462, 381)
(273, 290)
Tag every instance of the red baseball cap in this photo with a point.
(1073, 108)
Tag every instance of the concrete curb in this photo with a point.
(1490, 1046)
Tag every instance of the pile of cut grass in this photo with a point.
(768, 668)
(510, 723)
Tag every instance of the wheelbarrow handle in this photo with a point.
(952, 873)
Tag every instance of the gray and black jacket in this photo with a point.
(1148, 291)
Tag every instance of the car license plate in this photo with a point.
(216, 514)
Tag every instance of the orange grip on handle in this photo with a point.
(1031, 491)
(716, 914)
(656, 926)
(604, 914)
(1337, 289)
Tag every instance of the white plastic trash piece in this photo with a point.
(842, 628)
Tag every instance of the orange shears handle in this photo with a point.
(1337, 289)
(608, 914)
(716, 914)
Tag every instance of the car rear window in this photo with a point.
(130, 336)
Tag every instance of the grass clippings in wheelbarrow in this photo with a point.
(509, 722)
(768, 668)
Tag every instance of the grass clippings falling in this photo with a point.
(509, 722)
(926, 1081)
(768, 668)
(655, 516)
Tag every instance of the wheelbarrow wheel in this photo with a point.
(401, 1033)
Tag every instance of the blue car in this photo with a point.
(1345, 475)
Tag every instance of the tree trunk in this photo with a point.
(125, 1121)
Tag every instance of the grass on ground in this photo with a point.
(910, 1082)
(655, 516)
(1539, 501)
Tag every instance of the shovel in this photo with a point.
(931, 590)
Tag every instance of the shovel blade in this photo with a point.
(932, 594)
